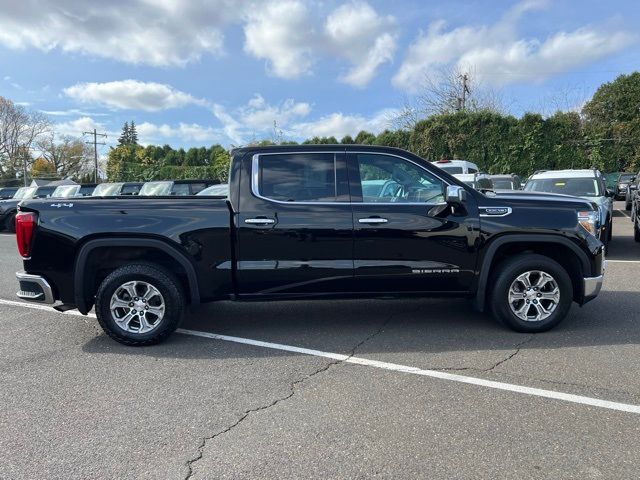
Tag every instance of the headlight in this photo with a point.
(589, 221)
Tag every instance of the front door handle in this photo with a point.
(372, 220)
(259, 221)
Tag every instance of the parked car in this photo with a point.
(9, 207)
(506, 182)
(117, 189)
(480, 181)
(587, 184)
(296, 225)
(632, 192)
(174, 187)
(611, 179)
(7, 192)
(455, 167)
(69, 191)
(219, 190)
(622, 184)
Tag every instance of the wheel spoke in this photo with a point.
(125, 321)
(130, 289)
(157, 311)
(543, 279)
(525, 278)
(119, 303)
(144, 324)
(553, 295)
(150, 293)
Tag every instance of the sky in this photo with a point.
(201, 72)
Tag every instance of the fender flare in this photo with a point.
(91, 245)
(483, 277)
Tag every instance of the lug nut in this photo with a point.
(131, 304)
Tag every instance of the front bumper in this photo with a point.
(593, 285)
(34, 288)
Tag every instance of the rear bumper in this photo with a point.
(34, 288)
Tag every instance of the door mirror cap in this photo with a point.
(455, 194)
(610, 193)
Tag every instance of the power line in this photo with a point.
(95, 148)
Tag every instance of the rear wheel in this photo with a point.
(10, 223)
(139, 304)
(532, 293)
(636, 230)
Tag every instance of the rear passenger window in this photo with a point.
(472, 170)
(197, 188)
(180, 189)
(297, 177)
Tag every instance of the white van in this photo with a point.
(456, 167)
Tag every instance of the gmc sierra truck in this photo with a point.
(315, 222)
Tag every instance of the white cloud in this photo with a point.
(149, 133)
(257, 117)
(281, 32)
(159, 33)
(356, 32)
(285, 34)
(132, 94)
(74, 128)
(339, 125)
(496, 54)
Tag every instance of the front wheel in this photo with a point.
(532, 293)
(139, 304)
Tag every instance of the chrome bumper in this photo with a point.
(592, 287)
(34, 288)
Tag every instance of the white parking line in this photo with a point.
(537, 392)
(623, 213)
(622, 261)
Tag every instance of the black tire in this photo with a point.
(627, 205)
(636, 230)
(160, 279)
(509, 271)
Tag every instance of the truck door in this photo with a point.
(406, 238)
(294, 226)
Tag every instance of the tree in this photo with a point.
(133, 134)
(42, 167)
(19, 130)
(71, 157)
(365, 138)
(612, 123)
(123, 139)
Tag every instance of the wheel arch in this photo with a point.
(560, 249)
(147, 250)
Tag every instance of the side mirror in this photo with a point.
(610, 193)
(455, 194)
(633, 186)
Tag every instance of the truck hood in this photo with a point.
(520, 197)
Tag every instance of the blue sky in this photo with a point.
(222, 71)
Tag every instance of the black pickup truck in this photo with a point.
(311, 222)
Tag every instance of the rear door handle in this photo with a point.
(259, 221)
(372, 220)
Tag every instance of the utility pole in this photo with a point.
(95, 148)
(465, 90)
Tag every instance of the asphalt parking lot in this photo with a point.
(362, 402)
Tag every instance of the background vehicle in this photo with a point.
(454, 167)
(68, 191)
(117, 189)
(221, 189)
(296, 224)
(622, 184)
(9, 207)
(7, 192)
(480, 181)
(506, 182)
(632, 192)
(587, 184)
(174, 187)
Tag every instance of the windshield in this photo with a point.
(626, 177)
(25, 192)
(452, 170)
(65, 191)
(107, 190)
(502, 183)
(156, 188)
(578, 187)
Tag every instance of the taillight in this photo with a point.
(25, 226)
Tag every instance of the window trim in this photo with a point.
(255, 177)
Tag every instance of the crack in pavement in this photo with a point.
(292, 391)
(517, 347)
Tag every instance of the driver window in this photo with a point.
(388, 179)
